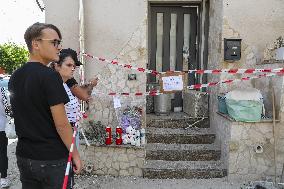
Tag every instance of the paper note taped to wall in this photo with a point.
(173, 83)
(116, 102)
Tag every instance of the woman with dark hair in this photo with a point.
(81, 92)
(65, 66)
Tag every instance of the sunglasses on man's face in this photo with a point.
(55, 42)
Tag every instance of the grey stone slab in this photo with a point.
(182, 136)
(181, 147)
(176, 120)
(165, 131)
(200, 155)
(183, 152)
(155, 169)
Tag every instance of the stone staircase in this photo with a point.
(175, 152)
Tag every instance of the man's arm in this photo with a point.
(65, 132)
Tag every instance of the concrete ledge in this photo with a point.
(116, 160)
(226, 116)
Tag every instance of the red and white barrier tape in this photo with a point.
(199, 86)
(128, 66)
(216, 71)
(69, 159)
(150, 93)
(238, 71)
(196, 86)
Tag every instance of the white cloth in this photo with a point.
(245, 94)
(72, 108)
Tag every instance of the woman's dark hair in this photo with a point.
(62, 57)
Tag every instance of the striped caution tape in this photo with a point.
(69, 159)
(128, 66)
(216, 71)
(196, 86)
(149, 93)
(199, 86)
(237, 71)
(79, 115)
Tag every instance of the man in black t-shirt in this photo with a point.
(37, 99)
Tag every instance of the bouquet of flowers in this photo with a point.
(95, 132)
(131, 116)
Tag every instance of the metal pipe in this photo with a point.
(274, 133)
(82, 46)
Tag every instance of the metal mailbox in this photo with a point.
(232, 49)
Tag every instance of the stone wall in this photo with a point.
(113, 160)
(101, 106)
(113, 38)
(251, 150)
(228, 19)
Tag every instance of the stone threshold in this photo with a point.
(113, 145)
(171, 116)
(178, 131)
(226, 116)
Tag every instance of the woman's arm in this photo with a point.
(83, 92)
(80, 92)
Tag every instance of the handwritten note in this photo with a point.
(172, 83)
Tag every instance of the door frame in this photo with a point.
(151, 23)
(202, 34)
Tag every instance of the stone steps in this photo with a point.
(175, 152)
(159, 169)
(176, 120)
(179, 136)
(182, 152)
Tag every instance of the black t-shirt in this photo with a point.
(71, 82)
(34, 89)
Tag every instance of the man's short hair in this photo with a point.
(35, 31)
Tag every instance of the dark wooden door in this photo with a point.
(173, 41)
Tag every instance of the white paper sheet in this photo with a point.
(172, 83)
(116, 102)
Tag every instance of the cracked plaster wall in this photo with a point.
(114, 33)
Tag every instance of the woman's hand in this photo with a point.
(93, 82)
